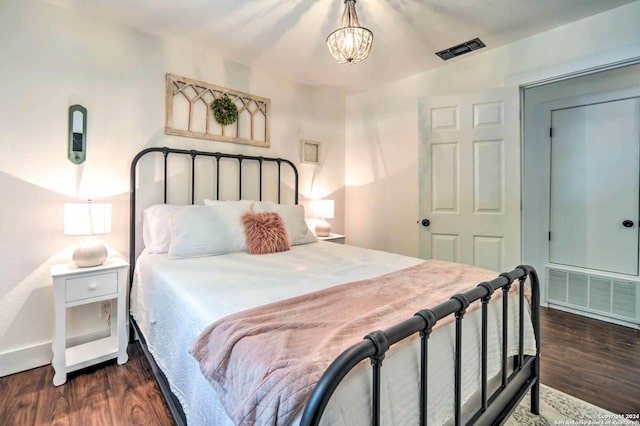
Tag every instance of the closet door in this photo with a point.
(595, 159)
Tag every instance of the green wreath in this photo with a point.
(224, 110)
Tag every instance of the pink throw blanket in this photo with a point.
(264, 362)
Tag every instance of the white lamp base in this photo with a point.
(323, 229)
(90, 253)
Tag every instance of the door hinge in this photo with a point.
(549, 235)
(550, 132)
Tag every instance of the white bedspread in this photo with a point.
(174, 300)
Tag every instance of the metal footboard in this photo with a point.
(495, 408)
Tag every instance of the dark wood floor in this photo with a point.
(592, 360)
(108, 394)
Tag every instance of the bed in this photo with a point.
(417, 369)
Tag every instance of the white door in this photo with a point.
(595, 154)
(470, 178)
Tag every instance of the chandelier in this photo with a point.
(350, 43)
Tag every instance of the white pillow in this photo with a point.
(245, 203)
(156, 234)
(293, 216)
(198, 231)
(256, 206)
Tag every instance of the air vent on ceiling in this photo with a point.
(461, 49)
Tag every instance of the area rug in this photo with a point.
(558, 408)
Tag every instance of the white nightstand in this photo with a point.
(74, 286)
(334, 238)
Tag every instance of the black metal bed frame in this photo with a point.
(495, 409)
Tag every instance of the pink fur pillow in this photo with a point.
(265, 232)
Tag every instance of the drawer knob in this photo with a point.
(93, 286)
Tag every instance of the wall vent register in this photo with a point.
(600, 295)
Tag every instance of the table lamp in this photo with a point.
(322, 209)
(88, 219)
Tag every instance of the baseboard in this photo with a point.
(23, 359)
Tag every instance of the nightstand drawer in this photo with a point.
(92, 286)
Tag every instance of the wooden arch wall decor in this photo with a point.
(188, 113)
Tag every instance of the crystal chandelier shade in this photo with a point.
(350, 43)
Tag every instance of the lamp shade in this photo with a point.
(87, 218)
(322, 209)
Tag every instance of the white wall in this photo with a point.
(382, 124)
(53, 58)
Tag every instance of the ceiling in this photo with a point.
(287, 37)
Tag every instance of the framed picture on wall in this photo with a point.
(310, 151)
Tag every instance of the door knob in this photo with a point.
(627, 223)
(426, 222)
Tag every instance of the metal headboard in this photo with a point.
(166, 152)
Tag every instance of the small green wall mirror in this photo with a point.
(77, 133)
